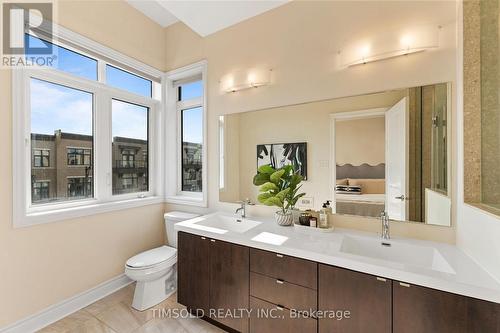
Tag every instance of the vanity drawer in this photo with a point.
(279, 266)
(283, 293)
(266, 317)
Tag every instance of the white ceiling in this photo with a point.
(204, 17)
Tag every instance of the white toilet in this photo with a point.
(156, 270)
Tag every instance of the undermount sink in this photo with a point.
(412, 255)
(221, 224)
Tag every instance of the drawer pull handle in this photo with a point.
(279, 281)
(203, 238)
(402, 284)
(280, 307)
(279, 255)
(212, 240)
(381, 279)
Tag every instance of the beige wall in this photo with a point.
(45, 264)
(300, 41)
(360, 141)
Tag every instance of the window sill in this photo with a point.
(485, 209)
(198, 201)
(34, 218)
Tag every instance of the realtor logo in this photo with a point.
(27, 34)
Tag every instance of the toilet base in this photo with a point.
(150, 293)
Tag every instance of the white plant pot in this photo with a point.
(284, 219)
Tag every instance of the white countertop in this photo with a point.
(469, 278)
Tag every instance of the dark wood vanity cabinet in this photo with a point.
(482, 316)
(213, 276)
(229, 283)
(193, 267)
(294, 270)
(266, 317)
(367, 298)
(288, 294)
(283, 293)
(418, 309)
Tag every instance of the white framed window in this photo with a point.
(87, 110)
(186, 133)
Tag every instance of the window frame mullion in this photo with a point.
(102, 147)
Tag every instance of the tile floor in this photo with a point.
(113, 314)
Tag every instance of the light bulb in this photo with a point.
(406, 42)
(365, 51)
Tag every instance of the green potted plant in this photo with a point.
(279, 187)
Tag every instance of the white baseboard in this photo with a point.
(62, 309)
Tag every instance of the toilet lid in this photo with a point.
(152, 257)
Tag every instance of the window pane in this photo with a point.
(127, 81)
(78, 187)
(61, 127)
(130, 147)
(192, 140)
(41, 191)
(79, 156)
(41, 158)
(190, 90)
(67, 60)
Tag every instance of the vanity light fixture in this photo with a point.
(245, 79)
(390, 44)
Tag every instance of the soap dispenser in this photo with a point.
(329, 207)
(323, 216)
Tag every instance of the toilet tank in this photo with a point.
(172, 218)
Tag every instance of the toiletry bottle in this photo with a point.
(313, 222)
(313, 213)
(329, 207)
(323, 216)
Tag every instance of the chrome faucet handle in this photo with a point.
(243, 206)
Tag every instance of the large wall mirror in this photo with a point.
(387, 151)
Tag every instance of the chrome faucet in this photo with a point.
(242, 209)
(384, 218)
